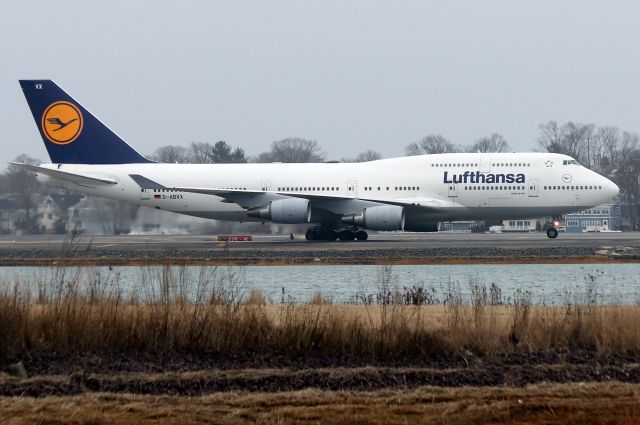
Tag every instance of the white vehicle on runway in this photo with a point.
(341, 199)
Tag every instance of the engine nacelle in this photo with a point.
(387, 217)
(421, 226)
(289, 211)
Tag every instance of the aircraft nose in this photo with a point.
(612, 189)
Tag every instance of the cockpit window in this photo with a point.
(570, 162)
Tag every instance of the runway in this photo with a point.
(383, 241)
(409, 248)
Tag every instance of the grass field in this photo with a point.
(214, 351)
(605, 403)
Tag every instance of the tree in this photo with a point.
(571, 139)
(293, 150)
(24, 186)
(223, 153)
(368, 155)
(365, 156)
(607, 146)
(433, 143)
(115, 217)
(220, 153)
(550, 137)
(171, 154)
(200, 153)
(492, 143)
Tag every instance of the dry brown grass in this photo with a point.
(216, 313)
(604, 403)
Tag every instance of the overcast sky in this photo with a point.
(354, 75)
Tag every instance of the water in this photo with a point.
(547, 283)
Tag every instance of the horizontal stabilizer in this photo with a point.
(81, 179)
(145, 183)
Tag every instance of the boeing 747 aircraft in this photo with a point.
(341, 200)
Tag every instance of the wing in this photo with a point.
(244, 198)
(54, 120)
(333, 203)
(79, 179)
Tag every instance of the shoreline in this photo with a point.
(305, 261)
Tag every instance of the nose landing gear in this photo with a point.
(552, 232)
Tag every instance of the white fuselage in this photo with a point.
(442, 187)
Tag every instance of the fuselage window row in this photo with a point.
(572, 187)
(330, 189)
(499, 164)
(494, 188)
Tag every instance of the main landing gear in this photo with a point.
(552, 232)
(320, 233)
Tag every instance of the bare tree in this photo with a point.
(629, 145)
(571, 139)
(24, 186)
(551, 137)
(368, 155)
(115, 217)
(608, 140)
(590, 136)
(433, 143)
(492, 143)
(171, 154)
(293, 150)
(201, 153)
(365, 156)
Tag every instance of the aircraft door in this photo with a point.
(265, 185)
(145, 194)
(352, 188)
(453, 190)
(485, 164)
(533, 188)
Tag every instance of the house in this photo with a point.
(7, 210)
(459, 226)
(523, 225)
(51, 211)
(602, 218)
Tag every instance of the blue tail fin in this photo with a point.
(71, 134)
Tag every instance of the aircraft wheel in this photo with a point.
(346, 235)
(311, 235)
(552, 233)
(361, 235)
(327, 235)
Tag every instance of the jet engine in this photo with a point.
(387, 217)
(289, 211)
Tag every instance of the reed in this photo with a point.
(168, 308)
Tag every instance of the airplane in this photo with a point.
(338, 200)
